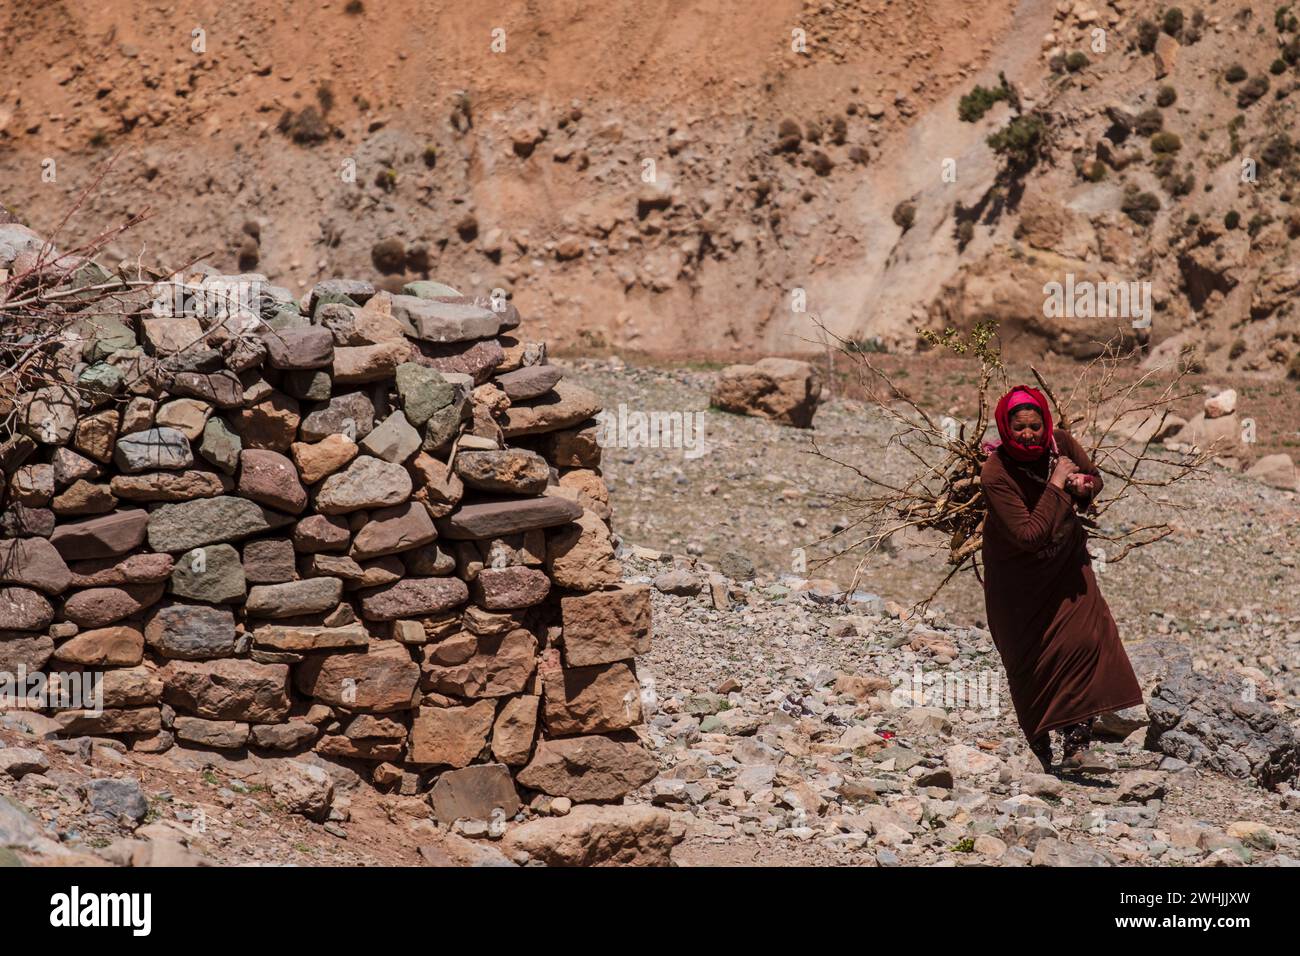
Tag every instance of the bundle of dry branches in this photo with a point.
(1114, 419)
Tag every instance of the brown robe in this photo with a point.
(1050, 624)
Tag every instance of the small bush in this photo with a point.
(1236, 73)
(1076, 61)
(1257, 222)
(965, 233)
(430, 156)
(979, 101)
(1277, 151)
(1173, 21)
(1293, 369)
(1293, 225)
(1277, 67)
(905, 215)
(1149, 122)
(1238, 348)
(325, 97)
(1232, 220)
(354, 8)
(1291, 52)
(305, 127)
(1094, 171)
(1166, 96)
(1141, 207)
(1020, 141)
(1147, 34)
(1166, 142)
(1252, 90)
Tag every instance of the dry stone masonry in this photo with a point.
(368, 525)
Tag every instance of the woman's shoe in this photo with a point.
(1089, 760)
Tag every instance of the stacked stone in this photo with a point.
(368, 525)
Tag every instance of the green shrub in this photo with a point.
(1094, 171)
(1141, 207)
(905, 215)
(430, 155)
(1147, 34)
(1238, 347)
(1149, 122)
(1166, 96)
(1293, 369)
(1166, 142)
(965, 233)
(1291, 52)
(1076, 61)
(1236, 73)
(1257, 222)
(1173, 21)
(354, 8)
(1252, 90)
(1277, 67)
(1020, 141)
(979, 101)
(1232, 220)
(1277, 151)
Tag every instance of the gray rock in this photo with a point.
(310, 596)
(117, 798)
(194, 524)
(213, 573)
(436, 321)
(154, 449)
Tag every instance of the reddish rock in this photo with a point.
(109, 646)
(145, 721)
(316, 533)
(474, 793)
(590, 700)
(104, 537)
(293, 598)
(382, 679)
(632, 835)
(270, 478)
(532, 381)
(588, 768)
(191, 632)
(565, 406)
(368, 363)
(271, 423)
(468, 666)
(514, 730)
(319, 460)
(145, 568)
(580, 556)
(218, 734)
(20, 648)
(99, 607)
(495, 519)
(451, 736)
(413, 597)
(170, 485)
(606, 626)
(269, 561)
(504, 471)
(34, 562)
(308, 347)
(366, 483)
(391, 530)
(783, 390)
(229, 689)
(502, 589)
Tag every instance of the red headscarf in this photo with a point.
(1022, 395)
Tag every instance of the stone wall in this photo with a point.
(364, 524)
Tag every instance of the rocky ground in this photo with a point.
(791, 729)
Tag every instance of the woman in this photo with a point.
(1064, 660)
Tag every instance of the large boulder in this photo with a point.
(600, 836)
(783, 390)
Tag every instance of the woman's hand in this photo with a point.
(1079, 484)
(1063, 470)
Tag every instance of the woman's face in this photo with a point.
(1027, 427)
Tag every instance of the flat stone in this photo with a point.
(49, 414)
(270, 478)
(228, 689)
(505, 471)
(465, 665)
(218, 734)
(477, 360)
(23, 649)
(19, 521)
(70, 466)
(84, 498)
(188, 416)
(99, 607)
(288, 736)
(587, 836)
(515, 729)
(580, 556)
(366, 483)
(368, 363)
(436, 321)
(311, 596)
(588, 768)
(269, 561)
(351, 414)
(480, 792)
(222, 388)
(213, 573)
(134, 569)
(170, 485)
(103, 537)
(193, 524)
(392, 530)
(289, 637)
(163, 336)
(498, 518)
(272, 423)
(153, 449)
(393, 440)
(565, 406)
(381, 680)
(191, 632)
(96, 435)
(532, 381)
(502, 589)
(36, 563)
(110, 646)
(589, 700)
(606, 626)
(321, 533)
(309, 347)
(413, 597)
(450, 736)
